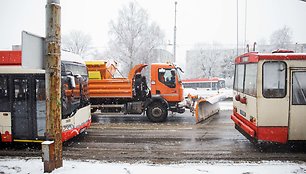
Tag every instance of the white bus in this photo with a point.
(23, 99)
(204, 83)
(270, 96)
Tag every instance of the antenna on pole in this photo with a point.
(174, 39)
(237, 28)
(245, 20)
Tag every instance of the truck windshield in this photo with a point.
(178, 76)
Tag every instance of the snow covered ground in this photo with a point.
(35, 166)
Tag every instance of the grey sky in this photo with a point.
(197, 20)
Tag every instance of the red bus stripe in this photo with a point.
(75, 131)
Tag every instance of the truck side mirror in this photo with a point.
(71, 82)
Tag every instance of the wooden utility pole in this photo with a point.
(53, 84)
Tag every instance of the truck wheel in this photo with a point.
(157, 112)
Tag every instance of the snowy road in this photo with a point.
(134, 139)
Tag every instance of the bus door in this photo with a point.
(5, 110)
(297, 118)
(22, 107)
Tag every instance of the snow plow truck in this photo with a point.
(132, 95)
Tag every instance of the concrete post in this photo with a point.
(48, 156)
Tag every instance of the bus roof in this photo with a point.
(71, 57)
(253, 57)
(15, 58)
(215, 79)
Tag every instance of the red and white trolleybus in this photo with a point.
(270, 96)
(23, 99)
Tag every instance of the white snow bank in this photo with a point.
(35, 165)
(226, 105)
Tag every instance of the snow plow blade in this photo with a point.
(207, 107)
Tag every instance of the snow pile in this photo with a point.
(35, 165)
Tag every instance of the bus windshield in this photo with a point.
(75, 68)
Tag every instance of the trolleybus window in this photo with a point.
(299, 88)
(274, 79)
(239, 78)
(4, 99)
(250, 79)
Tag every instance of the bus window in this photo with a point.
(274, 79)
(299, 88)
(250, 79)
(4, 99)
(41, 106)
(239, 78)
(214, 86)
(221, 84)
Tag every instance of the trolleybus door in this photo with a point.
(22, 110)
(297, 118)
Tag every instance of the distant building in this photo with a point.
(298, 48)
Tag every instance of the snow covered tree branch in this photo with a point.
(133, 36)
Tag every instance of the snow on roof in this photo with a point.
(68, 56)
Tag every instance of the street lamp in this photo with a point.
(174, 39)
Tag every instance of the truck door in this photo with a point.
(297, 115)
(22, 107)
(167, 85)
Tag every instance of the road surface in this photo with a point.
(127, 138)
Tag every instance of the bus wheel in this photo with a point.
(157, 112)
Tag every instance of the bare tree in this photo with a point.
(208, 61)
(227, 65)
(76, 42)
(133, 37)
(281, 38)
(210, 57)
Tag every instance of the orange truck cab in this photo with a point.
(132, 95)
(166, 84)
